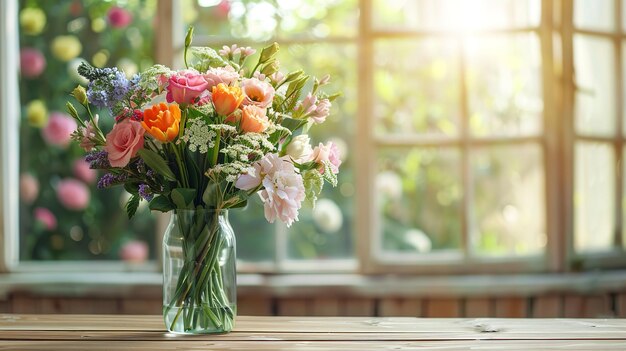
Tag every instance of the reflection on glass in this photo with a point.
(594, 14)
(594, 192)
(416, 98)
(456, 15)
(504, 85)
(63, 216)
(508, 205)
(595, 81)
(419, 198)
(261, 20)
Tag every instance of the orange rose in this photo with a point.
(162, 121)
(253, 119)
(226, 99)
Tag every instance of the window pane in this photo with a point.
(594, 196)
(419, 196)
(455, 14)
(326, 231)
(504, 85)
(508, 205)
(416, 98)
(260, 20)
(594, 14)
(255, 236)
(63, 216)
(594, 63)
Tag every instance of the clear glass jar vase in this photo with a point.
(199, 272)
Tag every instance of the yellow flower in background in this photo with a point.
(66, 47)
(32, 20)
(37, 113)
(100, 58)
(98, 24)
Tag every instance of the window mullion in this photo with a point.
(466, 215)
(619, 180)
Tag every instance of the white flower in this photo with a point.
(389, 184)
(300, 148)
(418, 239)
(327, 216)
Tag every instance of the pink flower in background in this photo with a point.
(119, 17)
(59, 129)
(73, 194)
(29, 188)
(222, 10)
(46, 217)
(32, 62)
(257, 92)
(83, 172)
(135, 251)
(215, 76)
(123, 142)
(283, 191)
(327, 153)
(185, 86)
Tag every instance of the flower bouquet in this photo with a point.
(197, 142)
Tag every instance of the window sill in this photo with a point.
(148, 284)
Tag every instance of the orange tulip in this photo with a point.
(162, 121)
(226, 99)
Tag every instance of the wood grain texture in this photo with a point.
(111, 332)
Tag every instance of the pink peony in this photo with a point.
(185, 86)
(119, 17)
(215, 76)
(257, 92)
(283, 188)
(29, 188)
(123, 142)
(59, 129)
(32, 62)
(46, 217)
(328, 153)
(135, 251)
(73, 194)
(83, 172)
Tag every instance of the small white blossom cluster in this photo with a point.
(151, 80)
(198, 136)
(249, 144)
(230, 171)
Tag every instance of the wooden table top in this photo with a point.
(123, 332)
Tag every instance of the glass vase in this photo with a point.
(199, 272)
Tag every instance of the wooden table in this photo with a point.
(111, 332)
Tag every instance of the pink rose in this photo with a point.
(59, 129)
(32, 62)
(119, 17)
(215, 76)
(46, 217)
(134, 251)
(185, 86)
(257, 92)
(327, 153)
(83, 172)
(73, 194)
(29, 188)
(123, 142)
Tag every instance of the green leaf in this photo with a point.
(131, 205)
(161, 203)
(213, 194)
(157, 163)
(131, 188)
(238, 199)
(183, 198)
(292, 124)
(313, 183)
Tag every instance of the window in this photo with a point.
(479, 135)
